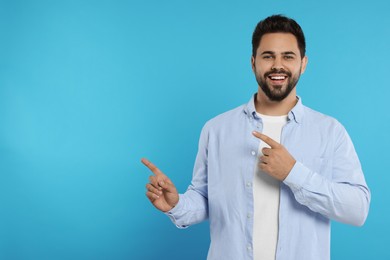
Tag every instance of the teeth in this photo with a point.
(278, 77)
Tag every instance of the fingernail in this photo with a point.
(162, 183)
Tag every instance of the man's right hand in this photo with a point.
(161, 191)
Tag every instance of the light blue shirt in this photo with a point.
(326, 183)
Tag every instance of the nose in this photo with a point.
(278, 64)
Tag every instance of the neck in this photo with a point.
(266, 106)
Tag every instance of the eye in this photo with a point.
(289, 57)
(267, 57)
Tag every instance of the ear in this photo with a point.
(253, 64)
(303, 64)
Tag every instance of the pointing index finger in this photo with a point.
(266, 139)
(151, 166)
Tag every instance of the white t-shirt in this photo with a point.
(266, 193)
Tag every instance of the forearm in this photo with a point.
(347, 202)
(192, 208)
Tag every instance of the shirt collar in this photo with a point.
(295, 114)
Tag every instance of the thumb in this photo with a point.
(167, 186)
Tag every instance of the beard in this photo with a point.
(276, 92)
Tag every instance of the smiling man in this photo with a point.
(271, 174)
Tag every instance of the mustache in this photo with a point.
(277, 71)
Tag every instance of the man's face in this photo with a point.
(278, 65)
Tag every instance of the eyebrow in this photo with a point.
(284, 53)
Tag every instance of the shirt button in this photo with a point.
(248, 215)
(249, 248)
(253, 153)
(249, 184)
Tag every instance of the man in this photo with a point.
(270, 174)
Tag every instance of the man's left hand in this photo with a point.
(276, 160)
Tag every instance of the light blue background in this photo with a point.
(87, 88)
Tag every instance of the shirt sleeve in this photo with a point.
(192, 207)
(344, 196)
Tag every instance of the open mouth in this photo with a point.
(277, 78)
